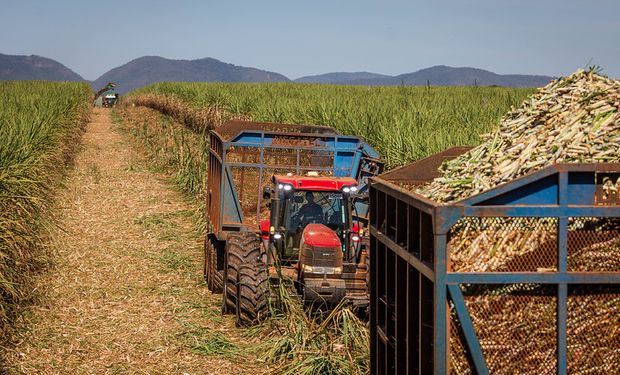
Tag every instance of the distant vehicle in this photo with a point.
(109, 99)
(106, 97)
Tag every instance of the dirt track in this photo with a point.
(125, 293)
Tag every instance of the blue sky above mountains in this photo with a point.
(295, 38)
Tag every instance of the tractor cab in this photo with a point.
(311, 231)
(298, 202)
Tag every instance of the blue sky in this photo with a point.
(298, 38)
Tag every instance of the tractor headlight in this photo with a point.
(321, 270)
(349, 189)
(285, 187)
(356, 242)
(277, 236)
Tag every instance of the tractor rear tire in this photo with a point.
(212, 275)
(253, 290)
(229, 281)
(237, 245)
(246, 282)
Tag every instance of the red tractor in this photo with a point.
(305, 225)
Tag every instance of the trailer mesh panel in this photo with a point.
(593, 329)
(593, 244)
(516, 327)
(504, 244)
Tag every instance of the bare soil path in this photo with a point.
(125, 293)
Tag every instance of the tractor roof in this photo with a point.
(232, 128)
(315, 183)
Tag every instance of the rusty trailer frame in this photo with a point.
(420, 309)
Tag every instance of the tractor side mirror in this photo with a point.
(267, 193)
(264, 229)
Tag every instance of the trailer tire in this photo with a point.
(213, 276)
(208, 253)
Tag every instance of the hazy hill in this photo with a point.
(13, 67)
(151, 69)
(442, 75)
(340, 77)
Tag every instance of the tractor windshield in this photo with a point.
(305, 207)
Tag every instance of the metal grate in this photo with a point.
(502, 244)
(244, 155)
(516, 327)
(246, 182)
(593, 330)
(594, 244)
(298, 141)
(459, 362)
(233, 127)
(316, 158)
(281, 156)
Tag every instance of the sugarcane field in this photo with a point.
(188, 215)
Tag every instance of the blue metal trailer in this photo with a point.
(244, 155)
(429, 315)
(243, 158)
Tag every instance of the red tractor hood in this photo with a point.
(321, 236)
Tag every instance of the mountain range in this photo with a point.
(34, 67)
(439, 75)
(151, 69)
(342, 78)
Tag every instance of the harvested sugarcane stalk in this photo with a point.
(517, 333)
(575, 119)
(572, 120)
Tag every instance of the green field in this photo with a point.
(404, 123)
(40, 125)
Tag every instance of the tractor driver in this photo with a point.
(311, 211)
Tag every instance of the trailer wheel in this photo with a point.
(206, 270)
(213, 276)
